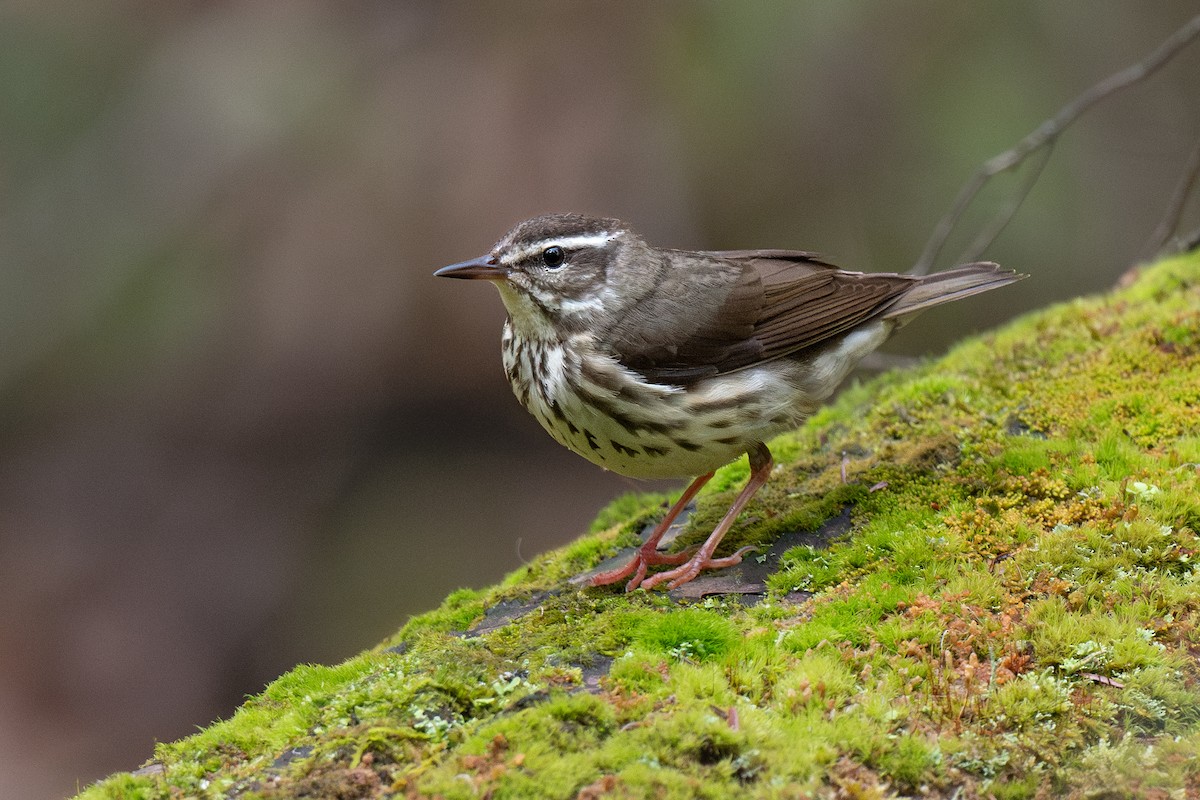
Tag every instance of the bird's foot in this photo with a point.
(646, 556)
(674, 578)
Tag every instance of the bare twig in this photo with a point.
(1045, 134)
(1000, 222)
(1190, 242)
(1170, 222)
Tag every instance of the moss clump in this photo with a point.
(1013, 612)
(688, 634)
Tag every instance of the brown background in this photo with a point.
(240, 424)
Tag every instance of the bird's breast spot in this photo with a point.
(553, 370)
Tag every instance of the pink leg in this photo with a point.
(648, 553)
(760, 471)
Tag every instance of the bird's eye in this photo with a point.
(553, 257)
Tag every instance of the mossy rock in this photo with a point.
(977, 579)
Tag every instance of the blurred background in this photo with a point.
(241, 426)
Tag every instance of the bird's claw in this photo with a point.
(674, 578)
(642, 559)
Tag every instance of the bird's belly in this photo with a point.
(681, 450)
(684, 450)
(618, 421)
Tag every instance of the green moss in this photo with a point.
(1023, 455)
(820, 676)
(688, 634)
(459, 610)
(1032, 700)
(1014, 612)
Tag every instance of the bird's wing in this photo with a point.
(744, 307)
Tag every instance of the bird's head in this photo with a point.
(562, 273)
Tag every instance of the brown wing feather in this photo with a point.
(808, 301)
(753, 306)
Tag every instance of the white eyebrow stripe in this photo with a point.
(565, 242)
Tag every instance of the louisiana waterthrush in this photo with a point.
(658, 363)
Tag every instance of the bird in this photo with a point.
(661, 363)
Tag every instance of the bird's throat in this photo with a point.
(530, 320)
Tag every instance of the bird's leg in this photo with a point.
(760, 471)
(648, 553)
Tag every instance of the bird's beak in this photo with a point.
(485, 267)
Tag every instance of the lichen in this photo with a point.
(1013, 611)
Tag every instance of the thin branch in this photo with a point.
(984, 240)
(1189, 242)
(1170, 222)
(1050, 130)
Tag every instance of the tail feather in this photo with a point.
(950, 285)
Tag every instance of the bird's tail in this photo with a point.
(949, 285)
